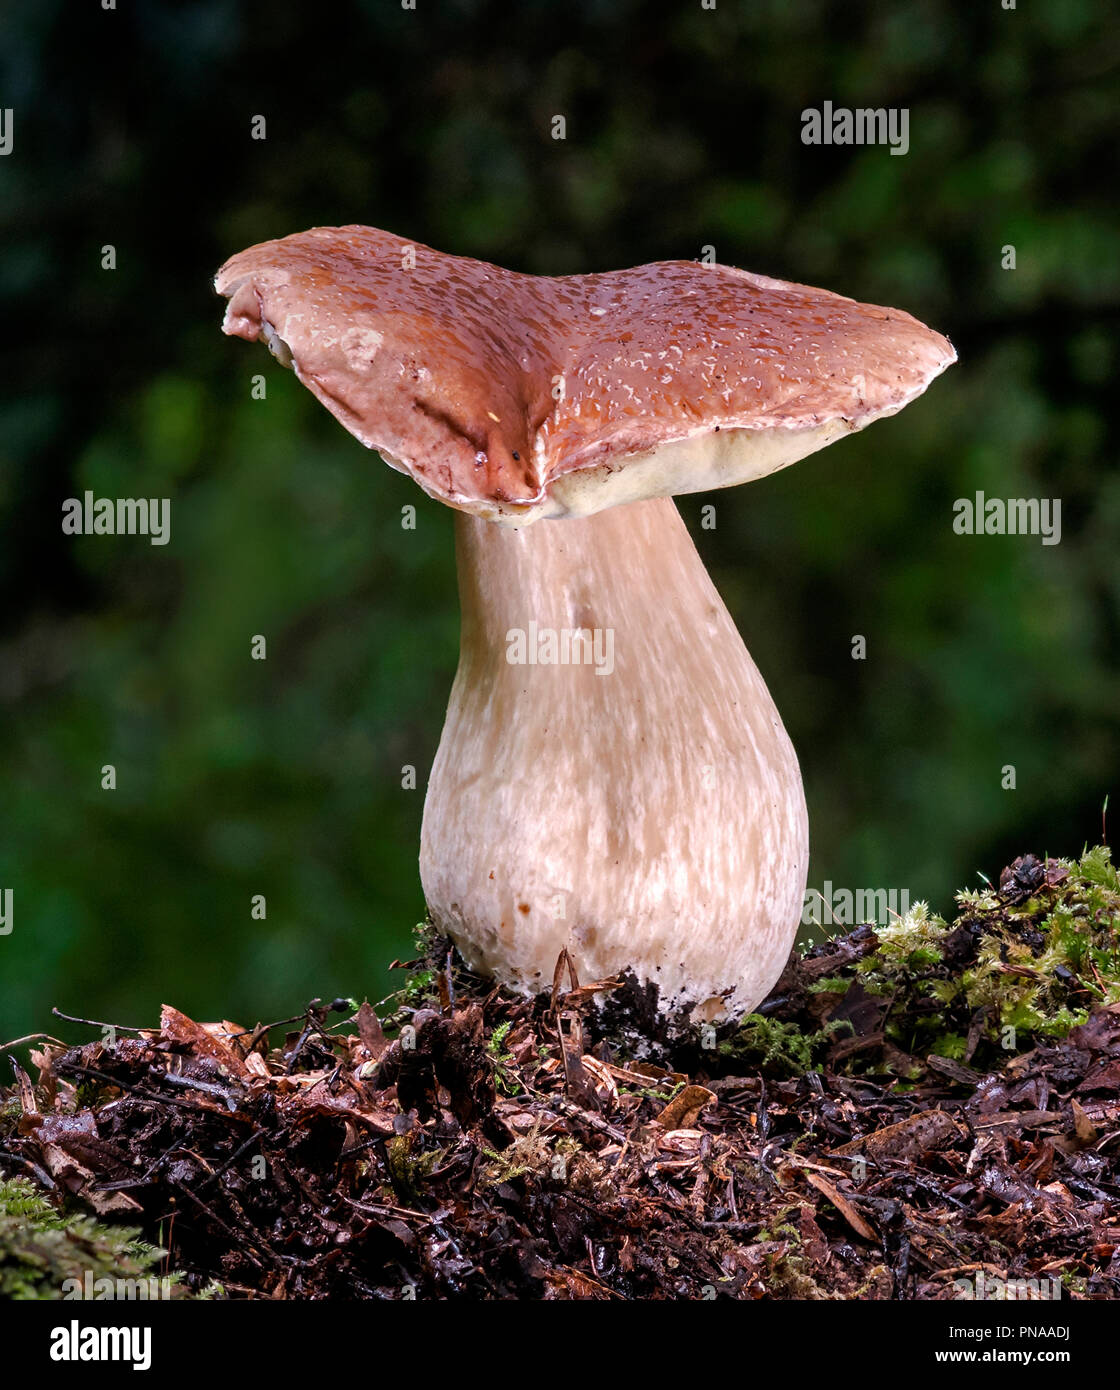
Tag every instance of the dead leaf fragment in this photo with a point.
(370, 1031)
(843, 1206)
(180, 1029)
(684, 1109)
(924, 1132)
(1083, 1127)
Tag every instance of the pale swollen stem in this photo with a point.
(630, 794)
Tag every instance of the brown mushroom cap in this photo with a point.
(517, 396)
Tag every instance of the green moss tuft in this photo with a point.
(41, 1249)
(779, 1048)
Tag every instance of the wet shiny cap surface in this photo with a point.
(487, 386)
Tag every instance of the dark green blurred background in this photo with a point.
(236, 777)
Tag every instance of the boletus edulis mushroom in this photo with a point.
(613, 777)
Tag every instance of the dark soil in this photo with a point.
(873, 1132)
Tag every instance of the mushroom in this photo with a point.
(613, 777)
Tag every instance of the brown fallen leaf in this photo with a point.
(255, 1065)
(812, 1237)
(68, 1144)
(1100, 1032)
(565, 1284)
(569, 1029)
(842, 1205)
(311, 1102)
(518, 1120)
(370, 1031)
(48, 1082)
(1105, 1076)
(648, 1071)
(26, 1091)
(1083, 1127)
(1018, 1119)
(684, 1109)
(683, 1142)
(600, 1080)
(928, 1130)
(180, 1029)
(76, 1178)
(967, 1076)
(585, 994)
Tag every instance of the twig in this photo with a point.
(97, 1023)
(297, 1050)
(32, 1037)
(153, 1098)
(235, 1236)
(593, 1121)
(387, 1209)
(174, 1078)
(41, 1173)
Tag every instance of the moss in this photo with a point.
(788, 1276)
(1031, 957)
(1017, 965)
(951, 1045)
(912, 943)
(831, 984)
(786, 1263)
(530, 1155)
(780, 1048)
(505, 1063)
(41, 1249)
(408, 1174)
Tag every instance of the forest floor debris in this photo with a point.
(915, 1109)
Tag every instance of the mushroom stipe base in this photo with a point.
(647, 815)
